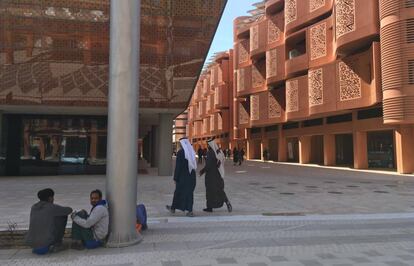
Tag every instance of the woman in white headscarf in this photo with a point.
(214, 170)
(184, 178)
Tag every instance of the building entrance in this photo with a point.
(255, 149)
(317, 149)
(344, 146)
(273, 149)
(380, 146)
(293, 150)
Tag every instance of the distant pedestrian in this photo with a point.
(214, 173)
(241, 156)
(235, 156)
(200, 155)
(184, 179)
(265, 155)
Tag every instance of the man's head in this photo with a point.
(46, 194)
(96, 196)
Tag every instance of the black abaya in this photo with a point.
(185, 184)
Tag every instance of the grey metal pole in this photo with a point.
(122, 150)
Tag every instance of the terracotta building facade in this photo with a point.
(210, 111)
(326, 82)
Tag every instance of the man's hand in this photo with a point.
(73, 214)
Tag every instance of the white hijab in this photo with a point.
(189, 154)
(219, 155)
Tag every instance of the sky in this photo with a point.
(223, 40)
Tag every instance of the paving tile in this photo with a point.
(277, 258)
(226, 261)
(406, 257)
(311, 263)
(372, 253)
(396, 263)
(360, 259)
(326, 256)
(171, 263)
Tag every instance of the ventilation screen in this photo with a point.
(411, 72)
(409, 3)
(410, 29)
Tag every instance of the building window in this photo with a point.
(339, 119)
(271, 128)
(370, 113)
(313, 122)
(291, 125)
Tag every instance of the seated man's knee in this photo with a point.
(82, 214)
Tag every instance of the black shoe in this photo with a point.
(77, 245)
(171, 210)
(57, 247)
(189, 214)
(229, 207)
(208, 210)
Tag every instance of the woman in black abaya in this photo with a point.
(214, 173)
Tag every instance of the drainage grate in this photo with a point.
(312, 187)
(269, 187)
(381, 191)
(292, 183)
(335, 192)
(352, 186)
(287, 193)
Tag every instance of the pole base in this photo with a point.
(118, 242)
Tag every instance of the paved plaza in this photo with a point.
(283, 215)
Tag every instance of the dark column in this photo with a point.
(14, 140)
(154, 142)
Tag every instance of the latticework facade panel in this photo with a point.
(292, 95)
(273, 32)
(315, 81)
(243, 115)
(315, 4)
(290, 11)
(318, 41)
(349, 82)
(274, 107)
(257, 77)
(271, 63)
(344, 16)
(254, 37)
(254, 107)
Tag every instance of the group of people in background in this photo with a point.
(185, 178)
(238, 156)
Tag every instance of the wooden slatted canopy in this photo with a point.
(56, 52)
